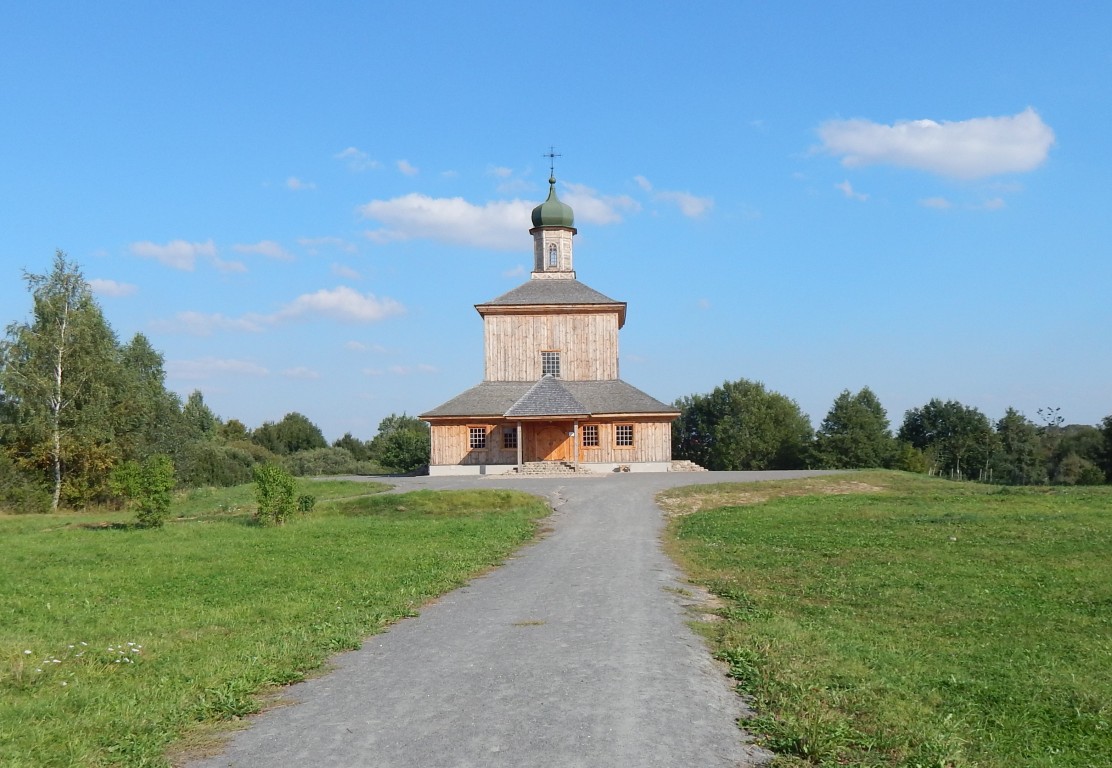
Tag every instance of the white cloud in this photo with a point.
(358, 346)
(517, 271)
(357, 159)
(341, 303)
(497, 224)
(341, 270)
(372, 371)
(594, 208)
(315, 244)
(267, 248)
(205, 324)
(178, 254)
(847, 190)
(300, 372)
(207, 367)
(993, 204)
(407, 168)
(426, 368)
(500, 171)
(939, 203)
(966, 149)
(703, 303)
(297, 184)
(690, 205)
(103, 287)
(228, 266)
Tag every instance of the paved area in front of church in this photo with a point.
(575, 653)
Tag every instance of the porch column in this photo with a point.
(575, 444)
(519, 465)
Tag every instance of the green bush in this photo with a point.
(305, 503)
(156, 486)
(274, 489)
(18, 492)
(206, 463)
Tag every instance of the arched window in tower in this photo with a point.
(553, 255)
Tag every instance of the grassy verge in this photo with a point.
(883, 619)
(116, 641)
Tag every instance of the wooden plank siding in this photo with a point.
(451, 443)
(587, 343)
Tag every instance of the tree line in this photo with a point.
(84, 416)
(741, 425)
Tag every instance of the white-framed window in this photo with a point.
(477, 437)
(553, 255)
(509, 437)
(550, 363)
(589, 435)
(623, 435)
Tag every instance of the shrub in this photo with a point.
(206, 463)
(305, 503)
(274, 488)
(156, 484)
(18, 492)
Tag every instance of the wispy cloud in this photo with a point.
(297, 185)
(407, 168)
(178, 254)
(300, 372)
(208, 367)
(690, 205)
(315, 245)
(346, 272)
(357, 160)
(499, 224)
(103, 287)
(517, 271)
(343, 304)
(595, 208)
(939, 203)
(228, 266)
(268, 248)
(847, 190)
(966, 149)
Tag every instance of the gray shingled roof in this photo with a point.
(495, 399)
(551, 291)
(547, 397)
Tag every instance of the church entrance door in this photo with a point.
(553, 444)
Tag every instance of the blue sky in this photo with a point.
(299, 203)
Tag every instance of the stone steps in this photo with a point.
(683, 465)
(551, 468)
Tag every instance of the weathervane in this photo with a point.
(551, 154)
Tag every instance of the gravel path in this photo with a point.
(575, 653)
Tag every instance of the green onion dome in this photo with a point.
(553, 213)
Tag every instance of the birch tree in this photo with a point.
(55, 374)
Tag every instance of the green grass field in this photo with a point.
(119, 643)
(884, 619)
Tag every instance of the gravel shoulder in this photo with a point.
(575, 653)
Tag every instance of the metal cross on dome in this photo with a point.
(551, 154)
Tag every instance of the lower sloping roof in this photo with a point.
(507, 399)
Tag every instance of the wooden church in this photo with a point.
(551, 392)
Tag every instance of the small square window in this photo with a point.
(509, 437)
(478, 437)
(590, 435)
(550, 363)
(623, 435)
